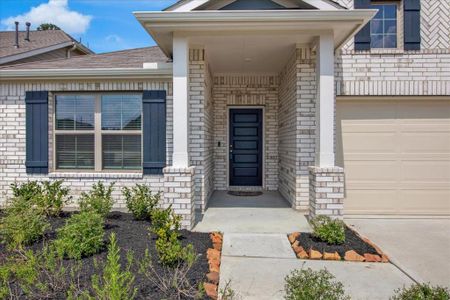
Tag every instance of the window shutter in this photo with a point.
(36, 132)
(412, 24)
(362, 38)
(154, 131)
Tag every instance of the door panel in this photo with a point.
(245, 147)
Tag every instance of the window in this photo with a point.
(98, 132)
(383, 27)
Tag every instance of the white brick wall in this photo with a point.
(12, 135)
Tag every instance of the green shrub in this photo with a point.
(47, 197)
(331, 231)
(115, 283)
(140, 201)
(306, 284)
(82, 235)
(98, 199)
(22, 227)
(166, 226)
(422, 291)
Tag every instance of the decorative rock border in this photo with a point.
(214, 257)
(350, 255)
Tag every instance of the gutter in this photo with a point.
(107, 73)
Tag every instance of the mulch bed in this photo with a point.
(134, 235)
(355, 248)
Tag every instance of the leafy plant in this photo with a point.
(140, 201)
(47, 26)
(17, 274)
(82, 235)
(24, 196)
(422, 291)
(306, 284)
(22, 227)
(166, 225)
(99, 199)
(115, 283)
(331, 231)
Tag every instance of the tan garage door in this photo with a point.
(396, 155)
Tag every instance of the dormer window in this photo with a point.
(384, 26)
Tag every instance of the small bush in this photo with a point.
(422, 292)
(328, 230)
(47, 197)
(306, 284)
(115, 283)
(22, 227)
(166, 226)
(98, 199)
(140, 201)
(82, 235)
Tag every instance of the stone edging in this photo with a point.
(214, 257)
(350, 255)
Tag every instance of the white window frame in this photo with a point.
(97, 132)
(399, 4)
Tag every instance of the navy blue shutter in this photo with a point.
(36, 132)
(412, 24)
(154, 131)
(362, 38)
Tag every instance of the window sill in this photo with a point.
(93, 175)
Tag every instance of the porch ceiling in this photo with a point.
(302, 25)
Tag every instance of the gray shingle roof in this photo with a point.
(38, 40)
(133, 58)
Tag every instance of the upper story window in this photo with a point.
(98, 132)
(384, 26)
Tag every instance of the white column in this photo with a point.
(180, 101)
(325, 101)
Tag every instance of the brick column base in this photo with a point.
(326, 192)
(179, 192)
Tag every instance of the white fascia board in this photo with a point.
(189, 5)
(7, 59)
(165, 72)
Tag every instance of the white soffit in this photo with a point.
(191, 5)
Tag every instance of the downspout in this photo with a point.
(69, 51)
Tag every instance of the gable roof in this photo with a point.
(180, 3)
(40, 42)
(126, 59)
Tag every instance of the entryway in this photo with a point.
(246, 147)
(267, 213)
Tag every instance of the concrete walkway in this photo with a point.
(420, 247)
(268, 213)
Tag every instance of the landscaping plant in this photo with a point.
(423, 291)
(115, 283)
(19, 228)
(98, 199)
(82, 235)
(166, 226)
(331, 231)
(306, 284)
(140, 201)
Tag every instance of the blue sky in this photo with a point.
(106, 25)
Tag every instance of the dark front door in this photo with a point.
(246, 147)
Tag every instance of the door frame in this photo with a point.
(263, 144)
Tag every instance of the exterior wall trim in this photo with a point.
(393, 97)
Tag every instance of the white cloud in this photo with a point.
(56, 12)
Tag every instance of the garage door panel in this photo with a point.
(396, 155)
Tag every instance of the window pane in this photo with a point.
(75, 151)
(75, 112)
(121, 112)
(376, 41)
(383, 28)
(390, 11)
(379, 14)
(376, 26)
(122, 152)
(390, 27)
(390, 41)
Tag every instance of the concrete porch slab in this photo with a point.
(268, 213)
(263, 278)
(274, 245)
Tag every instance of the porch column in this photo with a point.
(180, 101)
(325, 104)
(326, 181)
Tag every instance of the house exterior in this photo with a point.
(19, 47)
(341, 106)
